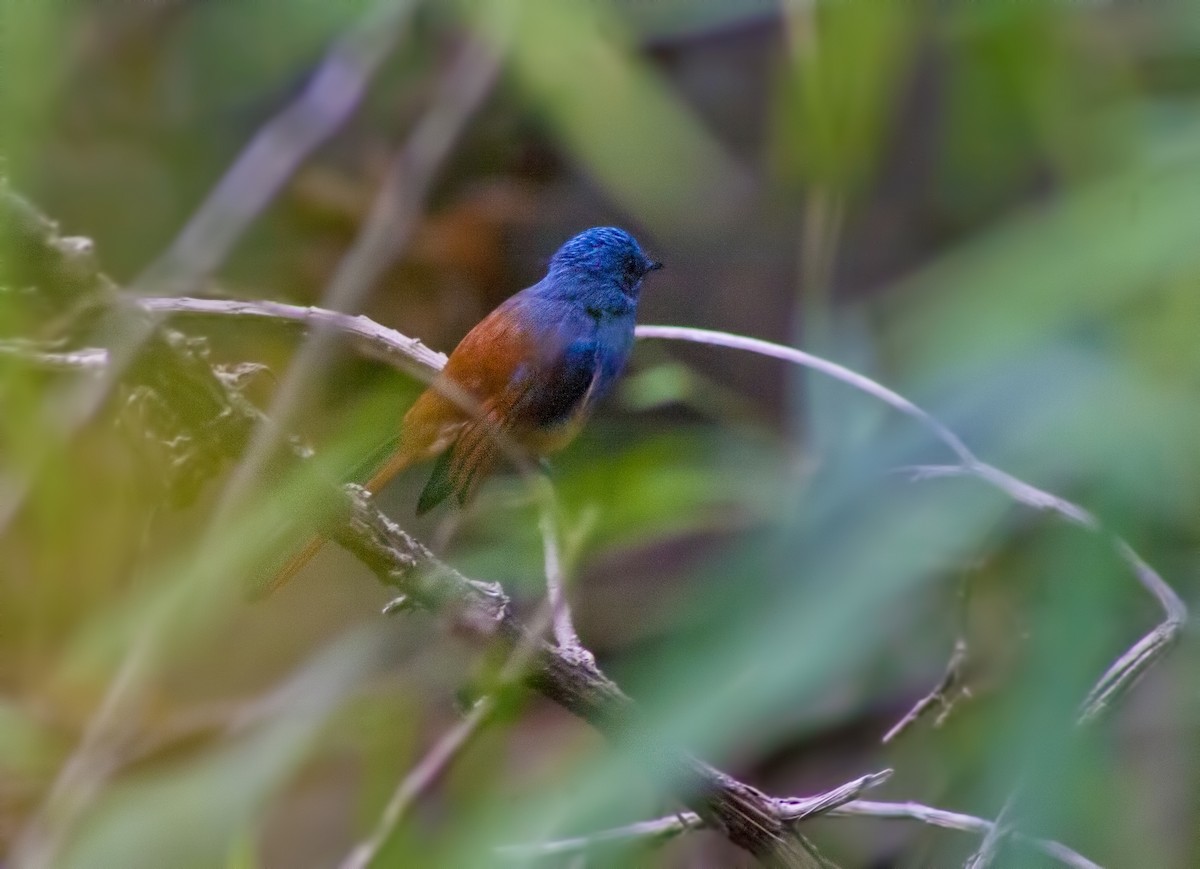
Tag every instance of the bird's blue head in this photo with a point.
(603, 255)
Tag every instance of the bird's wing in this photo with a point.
(530, 365)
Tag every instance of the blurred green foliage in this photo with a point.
(1018, 185)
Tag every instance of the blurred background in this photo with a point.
(989, 206)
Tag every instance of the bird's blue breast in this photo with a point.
(581, 342)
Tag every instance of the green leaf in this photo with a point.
(192, 814)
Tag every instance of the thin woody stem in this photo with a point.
(663, 829)
(556, 580)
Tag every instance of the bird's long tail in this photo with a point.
(397, 460)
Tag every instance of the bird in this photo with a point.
(531, 371)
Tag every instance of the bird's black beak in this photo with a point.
(653, 265)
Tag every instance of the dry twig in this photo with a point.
(841, 802)
(957, 821)
(1128, 668)
(422, 777)
(792, 810)
(950, 688)
(943, 696)
(556, 579)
